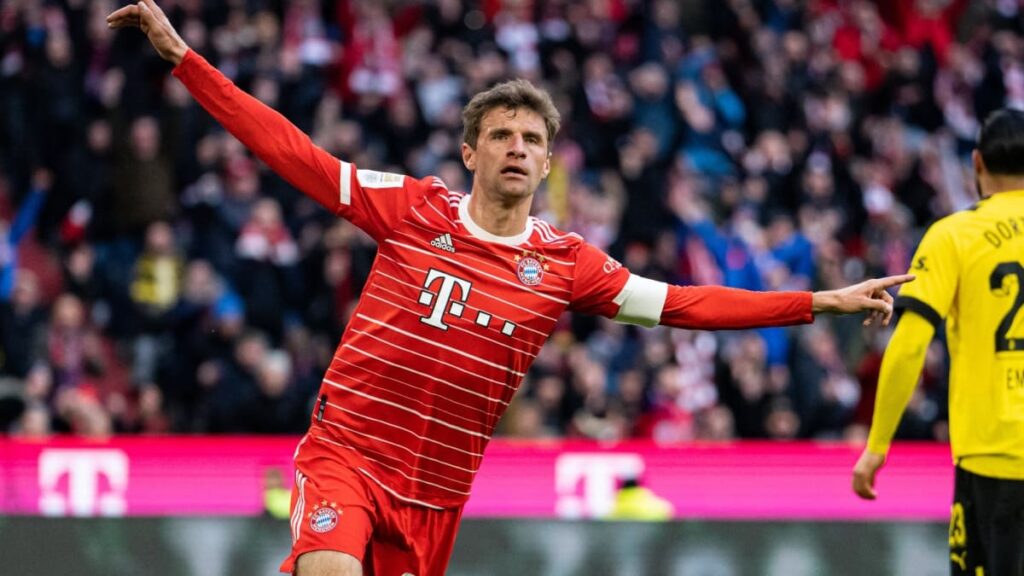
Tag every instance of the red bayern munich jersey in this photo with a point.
(450, 318)
(449, 321)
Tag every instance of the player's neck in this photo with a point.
(501, 218)
(994, 184)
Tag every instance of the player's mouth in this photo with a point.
(514, 172)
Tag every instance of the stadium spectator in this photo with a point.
(22, 319)
(267, 274)
(278, 405)
(156, 285)
(33, 424)
(231, 383)
(12, 233)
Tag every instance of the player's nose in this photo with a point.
(517, 146)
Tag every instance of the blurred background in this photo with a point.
(155, 279)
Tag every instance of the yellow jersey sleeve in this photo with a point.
(936, 266)
(901, 369)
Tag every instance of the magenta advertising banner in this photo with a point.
(184, 476)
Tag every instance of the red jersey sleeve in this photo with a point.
(719, 308)
(373, 201)
(598, 288)
(598, 281)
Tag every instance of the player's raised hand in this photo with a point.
(870, 296)
(864, 473)
(149, 18)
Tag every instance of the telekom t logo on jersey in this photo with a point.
(447, 294)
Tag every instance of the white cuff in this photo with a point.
(641, 301)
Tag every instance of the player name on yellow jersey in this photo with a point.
(1004, 230)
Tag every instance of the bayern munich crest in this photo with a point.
(530, 271)
(324, 518)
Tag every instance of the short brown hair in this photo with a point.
(512, 94)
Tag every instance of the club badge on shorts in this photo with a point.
(325, 517)
(531, 267)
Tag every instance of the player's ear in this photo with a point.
(469, 157)
(547, 167)
(978, 161)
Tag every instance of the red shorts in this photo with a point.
(337, 507)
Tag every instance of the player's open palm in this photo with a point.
(149, 18)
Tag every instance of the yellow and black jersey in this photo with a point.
(970, 272)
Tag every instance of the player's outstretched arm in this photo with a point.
(149, 18)
(718, 308)
(870, 296)
(270, 136)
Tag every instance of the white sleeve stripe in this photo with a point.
(641, 301)
(346, 183)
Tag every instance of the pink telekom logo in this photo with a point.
(83, 468)
(585, 483)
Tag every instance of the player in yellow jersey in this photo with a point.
(970, 273)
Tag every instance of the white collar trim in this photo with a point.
(475, 230)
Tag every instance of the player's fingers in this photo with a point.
(125, 16)
(885, 296)
(890, 281)
(124, 23)
(864, 485)
(869, 486)
(869, 318)
(876, 305)
(864, 480)
(120, 23)
(121, 12)
(888, 315)
(148, 20)
(873, 317)
(151, 6)
(880, 311)
(865, 471)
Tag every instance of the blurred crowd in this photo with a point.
(155, 278)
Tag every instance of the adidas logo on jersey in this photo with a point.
(444, 242)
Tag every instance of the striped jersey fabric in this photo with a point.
(449, 321)
(450, 318)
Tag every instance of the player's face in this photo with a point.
(511, 154)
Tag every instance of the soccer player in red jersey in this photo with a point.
(464, 291)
